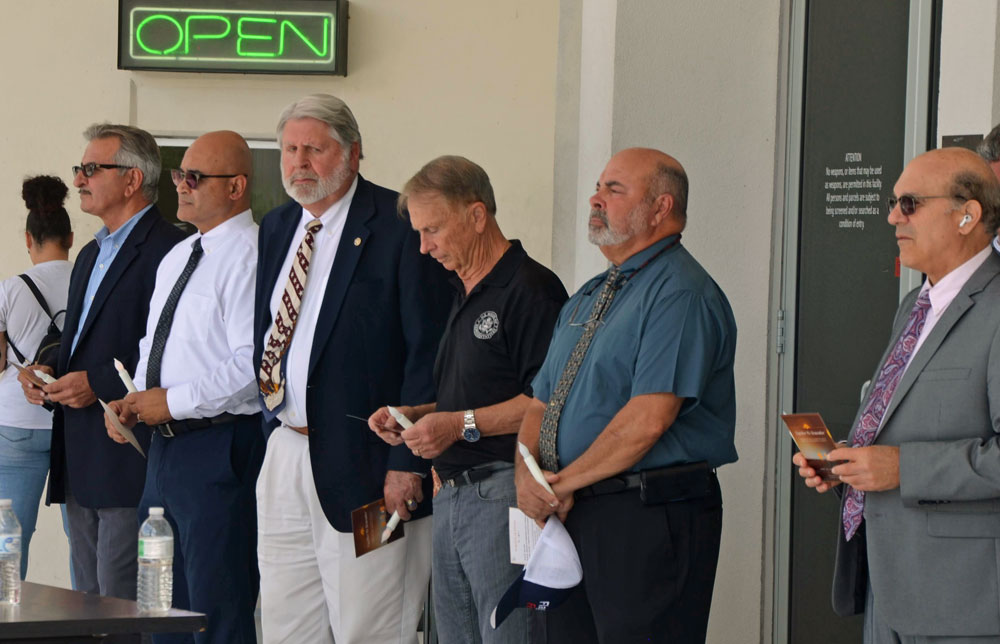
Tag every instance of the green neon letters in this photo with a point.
(227, 35)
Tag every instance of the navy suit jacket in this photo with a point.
(100, 472)
(380, 323)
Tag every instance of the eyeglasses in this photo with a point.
(88, 169)
(192, 178)
(908, 203)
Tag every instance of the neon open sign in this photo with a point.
(268, 36)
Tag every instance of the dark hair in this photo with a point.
(47, 219)
(666, 179)
(981, 187)
(989, 147)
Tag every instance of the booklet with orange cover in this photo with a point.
(813, 439)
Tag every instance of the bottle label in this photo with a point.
(10, 544)
(156, 548)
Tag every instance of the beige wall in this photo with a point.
(471, 77)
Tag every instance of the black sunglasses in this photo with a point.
(88, 169)
(192, 178)
(908, 203)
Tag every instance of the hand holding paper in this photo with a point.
(112, 422)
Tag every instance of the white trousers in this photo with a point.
(312, 588)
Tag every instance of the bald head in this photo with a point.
(228, 149)
(224, 163)
(951, 208)
(641, 198)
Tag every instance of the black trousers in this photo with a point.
(648, 571)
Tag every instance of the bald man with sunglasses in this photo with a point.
(197, 391)
(920, 477)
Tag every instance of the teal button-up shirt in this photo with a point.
(669, 329)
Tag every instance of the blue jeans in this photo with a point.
(470, 561)
(24, 464)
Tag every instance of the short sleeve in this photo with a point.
(4, 305)
(677, 349)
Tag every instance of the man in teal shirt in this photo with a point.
(633, 410)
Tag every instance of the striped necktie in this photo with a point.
(271, 378)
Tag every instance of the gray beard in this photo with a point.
(606, 236)
(325, 186)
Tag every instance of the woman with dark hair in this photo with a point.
(26, 429)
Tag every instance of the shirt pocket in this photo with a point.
(195, 315)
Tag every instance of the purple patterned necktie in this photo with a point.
(878, 401)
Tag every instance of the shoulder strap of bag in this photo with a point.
(38, 294)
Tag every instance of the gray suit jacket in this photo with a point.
(933, 544)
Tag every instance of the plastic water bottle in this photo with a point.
(156, 560)
(10, 554)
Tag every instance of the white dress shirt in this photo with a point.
(324, 252)
(207, 366)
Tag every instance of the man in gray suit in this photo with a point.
(920, 515)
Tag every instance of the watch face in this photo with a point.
(471, 434)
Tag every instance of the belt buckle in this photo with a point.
(449, 482)
(166, 431)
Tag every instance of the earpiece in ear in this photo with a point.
(966, 219)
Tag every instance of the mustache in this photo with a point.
(303, 174)
(599, 214)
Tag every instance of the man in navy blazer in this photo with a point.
(100, 481)
(347, 316)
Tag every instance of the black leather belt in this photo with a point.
(611, 485)
(663, 485)
(468, 477)
(178, 427)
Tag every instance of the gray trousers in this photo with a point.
(103, 549)
(878, 632)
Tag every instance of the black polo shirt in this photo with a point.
(495, 342)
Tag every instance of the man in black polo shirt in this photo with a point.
(497, 335)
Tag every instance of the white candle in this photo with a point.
(403, 421)
(126, 379)
(532, 464)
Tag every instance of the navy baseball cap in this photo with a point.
(553, 571)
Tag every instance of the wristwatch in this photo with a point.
(470, 433)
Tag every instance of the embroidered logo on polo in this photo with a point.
(486, 326)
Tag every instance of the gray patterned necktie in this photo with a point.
(167, 317)
(550, 421)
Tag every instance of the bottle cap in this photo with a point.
(153, 512)
(5, 503)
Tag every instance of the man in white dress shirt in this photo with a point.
(197, 391)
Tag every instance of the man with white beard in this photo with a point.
(348, 316)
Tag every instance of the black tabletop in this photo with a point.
(46, 612)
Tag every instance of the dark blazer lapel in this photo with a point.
(348, 253)
(288, 223)
(962, 303)
(74, 303)
(126, 255)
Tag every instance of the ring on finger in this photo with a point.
(411, 504)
